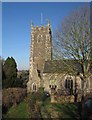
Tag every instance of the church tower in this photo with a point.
(41, 51)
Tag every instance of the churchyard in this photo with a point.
(39, 105)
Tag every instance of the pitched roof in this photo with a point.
(59, 66)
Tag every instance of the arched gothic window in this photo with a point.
(69, 84)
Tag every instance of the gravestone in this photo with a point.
(53, 91)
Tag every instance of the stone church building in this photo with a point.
(44, 71)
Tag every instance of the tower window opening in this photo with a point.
(39, 38)
(34, 87)
(39, 73)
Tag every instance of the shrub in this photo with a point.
(12, 96)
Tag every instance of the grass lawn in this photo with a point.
(48, 110)
(19, 111)
(59, 110)
(66, 110)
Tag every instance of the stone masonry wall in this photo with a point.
(41, 50)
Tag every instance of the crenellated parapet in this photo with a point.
(40, 29)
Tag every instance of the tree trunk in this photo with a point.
(76, 93)
(84, 87)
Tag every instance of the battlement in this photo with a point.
(46, 28)
(40, 28)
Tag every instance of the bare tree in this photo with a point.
(72, 42)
